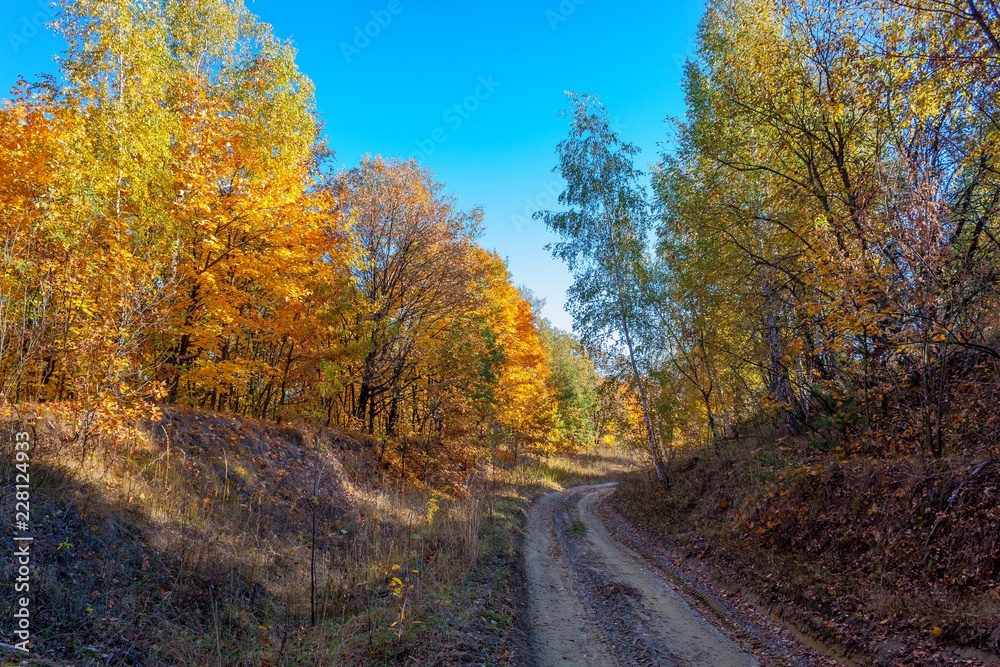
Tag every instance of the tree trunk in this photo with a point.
(778, 383)
(654, 450)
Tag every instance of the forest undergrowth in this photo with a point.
(889, 561)
(208, 538)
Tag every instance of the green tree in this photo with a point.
(604, 244)
(575, 383)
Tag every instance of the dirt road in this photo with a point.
(593, 602)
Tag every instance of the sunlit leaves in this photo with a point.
(170, 228)
(825, 215)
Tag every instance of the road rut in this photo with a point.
(592, 602)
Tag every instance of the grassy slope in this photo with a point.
(894, 562)
(191, 545)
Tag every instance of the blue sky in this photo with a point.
(471, 89)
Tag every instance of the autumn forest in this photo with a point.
(285, 412)
(172, 233)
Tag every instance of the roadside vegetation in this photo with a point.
(216, 539)
(888, 562)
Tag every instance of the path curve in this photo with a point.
(593, 603)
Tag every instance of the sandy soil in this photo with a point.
(594, 602)
(563, 633)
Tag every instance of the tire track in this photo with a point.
(592, 603)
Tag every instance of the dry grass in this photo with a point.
(192, 544)
(600, 465)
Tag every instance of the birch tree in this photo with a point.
(604, 232)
